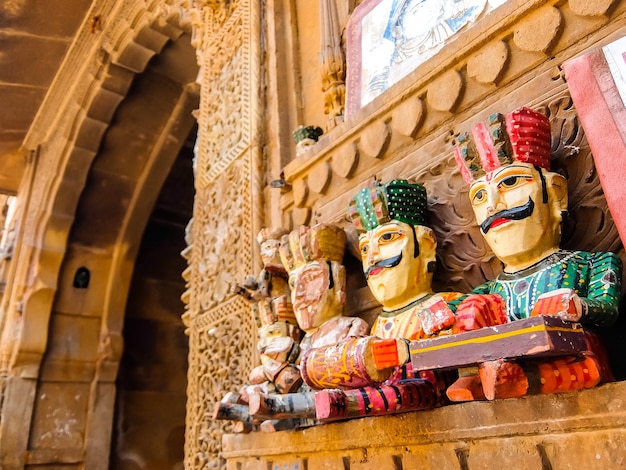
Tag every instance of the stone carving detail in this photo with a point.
(221, 260)
(539, 31)
(300, 192)
(446, 91)
(221, 11)
(301, 216)
(333, 63)
(219, 352)
(408, 117)
(590, 7)
(589, 224)
(226, 128)
(319, 177)
(375, 139)
(219, 325)
(489, 64)
(345, 160)
(189, 16)
(451, 218)
(220, 250)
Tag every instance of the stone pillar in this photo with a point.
(227, 215)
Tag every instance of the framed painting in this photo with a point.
(387, 39)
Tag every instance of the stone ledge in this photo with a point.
(590, 418)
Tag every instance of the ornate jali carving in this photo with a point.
(223, 228)
(220, 250)
(219, 350)
(589, 223)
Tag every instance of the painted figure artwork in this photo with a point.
(278, 348)
(519, 205)
(398, 35)
(347, 372)
(398, 254)
(312, 257)
(357, 377)
(278, 331)
(317, 279)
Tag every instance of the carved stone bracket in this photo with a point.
(333, 63)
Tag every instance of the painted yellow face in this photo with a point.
(317, 293)
(395, 264)
(519, 211)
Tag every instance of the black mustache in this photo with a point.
(515, 213)
(386, 263)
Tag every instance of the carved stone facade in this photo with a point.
(509, 59)
(260, 76)
(226, 216)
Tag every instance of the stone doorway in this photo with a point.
(149, 423)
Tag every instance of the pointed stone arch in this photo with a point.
(78, 145)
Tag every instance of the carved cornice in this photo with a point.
(500, 53)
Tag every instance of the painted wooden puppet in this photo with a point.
(278, 336)
(398, 254)
(519, 205)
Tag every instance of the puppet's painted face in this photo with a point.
(394, 262)
(518, 208)
(317, 293)
(267, 333)
(270, 255)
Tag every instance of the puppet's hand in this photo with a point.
(563, 303)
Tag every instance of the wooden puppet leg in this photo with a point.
(409, 395)
(467, 387)
(282, 406)
(288, 379)
(595, 347)
(564, 374)
(503, 379)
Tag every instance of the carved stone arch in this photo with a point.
(76, 185)
(91, 122)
